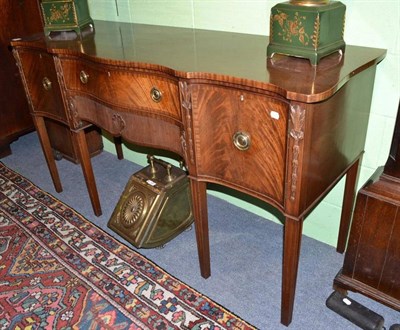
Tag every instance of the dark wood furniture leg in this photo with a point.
(199, 198)
(5, 149)
(291, 253)
(84, 157)
(350, 192)
(118, 147)
(48, 151)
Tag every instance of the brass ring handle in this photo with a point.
(241, 140)
(84, 77)
(46, 83)
(156, 94)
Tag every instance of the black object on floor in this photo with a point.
(354, 312)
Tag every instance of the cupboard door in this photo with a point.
(246, 133)
(42, 84)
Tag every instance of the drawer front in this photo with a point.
(130, 90)
(42, 84)
(240, 139)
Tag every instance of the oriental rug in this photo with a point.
(60, 271)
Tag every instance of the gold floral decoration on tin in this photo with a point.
(292, 28)
(60, 14)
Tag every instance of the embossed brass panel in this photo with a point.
(308, 29)
(154, 207)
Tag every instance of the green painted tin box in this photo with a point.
(308, 31)
(66, 15)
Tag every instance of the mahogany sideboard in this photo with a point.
(277, 129)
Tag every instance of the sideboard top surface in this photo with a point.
(221, 56)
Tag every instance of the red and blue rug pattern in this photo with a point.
(59, 271)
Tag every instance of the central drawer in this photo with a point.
(127, 89)
(240, 139)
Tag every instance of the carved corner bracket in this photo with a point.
(186, 102)
(71, 112)
(297, 117)
(73, 115)
(24, 83)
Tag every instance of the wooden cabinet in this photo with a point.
(21, 18)
(17, 18)
(372, 261)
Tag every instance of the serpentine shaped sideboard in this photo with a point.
(278, 129)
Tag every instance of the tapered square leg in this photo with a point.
(84, 157)
(350, 192)
(291, 253)
(199, 199)
(48, 151)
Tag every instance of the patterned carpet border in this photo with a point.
(143, 293)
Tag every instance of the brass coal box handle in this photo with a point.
(46, 82)
(168, 167)
(241, 140)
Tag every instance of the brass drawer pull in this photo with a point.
(46, 83)
(156, 94)
(241, 140)
(84, 77)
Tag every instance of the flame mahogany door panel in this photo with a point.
(221, 118)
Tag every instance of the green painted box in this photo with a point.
(307, 31)
(66, 15)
